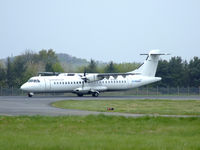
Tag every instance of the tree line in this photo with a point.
(179, 73)
(19, 69)
(174, 72)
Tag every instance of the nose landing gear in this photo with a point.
(30, 94)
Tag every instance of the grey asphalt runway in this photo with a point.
(41, 105)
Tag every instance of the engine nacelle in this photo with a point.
(84, 90)
(89, 90)
(93, 77)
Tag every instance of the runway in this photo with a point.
(41, 105)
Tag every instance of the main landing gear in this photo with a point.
(94, 94)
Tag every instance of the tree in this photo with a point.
(110, 68)
(126, 67)
(57, 67)
(185, 77)
(2, 75)
(48, 56)
(176, 71)
(92, 67)
(50, 60)
(163, 71)
(9, 73)
(194, 72)
(19, 68)
(49, 67)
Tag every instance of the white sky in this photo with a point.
(105, 30)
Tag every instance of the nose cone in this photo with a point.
(24, 87)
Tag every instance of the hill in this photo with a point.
(71, 63)
(68, 62)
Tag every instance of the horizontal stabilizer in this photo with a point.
(155, 52)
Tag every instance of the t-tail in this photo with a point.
(149, 67)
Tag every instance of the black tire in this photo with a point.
(95, 94)
(30, 95)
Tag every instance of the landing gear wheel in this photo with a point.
(30, 94)
(95, 94)
(80, 95)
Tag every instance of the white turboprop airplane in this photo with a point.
(94, 83)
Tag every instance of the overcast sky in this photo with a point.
(105, 30)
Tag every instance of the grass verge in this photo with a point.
(99, 132)
(163, 107)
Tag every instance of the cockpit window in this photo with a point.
(35, 80)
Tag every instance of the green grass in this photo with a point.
(99, 133)
(166, 107)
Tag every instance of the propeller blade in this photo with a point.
(84, 72)
(84, 78)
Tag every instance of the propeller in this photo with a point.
(84, 74)
(84, 78)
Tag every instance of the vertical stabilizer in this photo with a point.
(149, 67)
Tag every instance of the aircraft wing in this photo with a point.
(48, 73)
(115, 75)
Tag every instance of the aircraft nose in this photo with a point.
(24, 87)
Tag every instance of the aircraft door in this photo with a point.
(47, 85)
(129, 83)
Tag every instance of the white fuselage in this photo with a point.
(65, 83)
